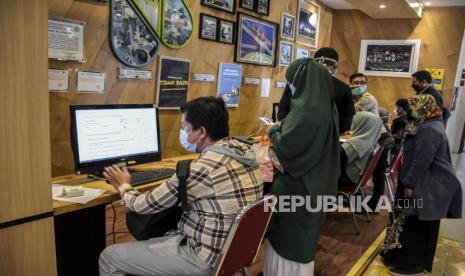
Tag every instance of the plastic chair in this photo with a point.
(244, 239)
(348, 191)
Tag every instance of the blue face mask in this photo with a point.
(358, 91)
(183, 137)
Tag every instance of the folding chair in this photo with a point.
(348, 191)
(244, 239)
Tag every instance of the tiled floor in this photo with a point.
(450, 252)
(449, 260)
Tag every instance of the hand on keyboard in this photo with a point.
(116, 175)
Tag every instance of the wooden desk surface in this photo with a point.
(62, 207)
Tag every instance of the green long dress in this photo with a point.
(307, 145)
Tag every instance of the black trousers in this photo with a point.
(379, 180)
(419, 239)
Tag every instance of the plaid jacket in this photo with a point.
(217, 188)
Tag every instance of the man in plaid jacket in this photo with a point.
(224, 179)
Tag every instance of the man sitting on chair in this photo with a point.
(224, 179)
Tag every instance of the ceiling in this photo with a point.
(346, 5)
(339, 4)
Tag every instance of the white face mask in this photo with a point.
(183, 137)
(292, 89)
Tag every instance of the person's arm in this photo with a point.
(161, 197)
(150, 202)
(347, 112)
(284, 105)
(425, 143)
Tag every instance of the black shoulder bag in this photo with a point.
(147, 226)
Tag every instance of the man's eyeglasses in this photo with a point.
(359, 82)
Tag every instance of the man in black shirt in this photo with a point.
(422, 84)
(328, 57)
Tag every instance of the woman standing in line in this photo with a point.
(306, 144)
(428, 189)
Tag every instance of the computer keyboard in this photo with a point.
(145, 176)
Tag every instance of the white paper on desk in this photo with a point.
(265, 88)
(89, 194)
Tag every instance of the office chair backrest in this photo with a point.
(371, 166)
(245, 236)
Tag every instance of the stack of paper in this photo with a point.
(89, 194)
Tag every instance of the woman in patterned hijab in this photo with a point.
(428, 190)
(423, 107)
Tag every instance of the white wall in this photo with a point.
(456, 121)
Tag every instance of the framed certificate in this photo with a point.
(91, 82)
(58, 80)
(66, 39)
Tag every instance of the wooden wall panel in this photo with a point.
(440, 31)
(24, 118)
(28, 249)
(205, 56)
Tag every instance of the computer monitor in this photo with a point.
(102, 135)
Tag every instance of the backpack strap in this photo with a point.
(182, 172)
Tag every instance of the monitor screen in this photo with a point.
(106, 134)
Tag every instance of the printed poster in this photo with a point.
(229, 83)
(438, 77)
(173, 82)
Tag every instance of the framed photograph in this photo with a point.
(263, 7)
(229, 83)
(247, 4)
(301, 53)
(222, 5)
(287, 26)
(173, 82)
(208, 27)
(133, 41)
(285, 53)
(176, 24)
(226, 31)
(151, 10)
(389, 58)
(256, 41)
(171, 20)
(308, 18)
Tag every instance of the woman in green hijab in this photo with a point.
(307, 146)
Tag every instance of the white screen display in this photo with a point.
(112, 133)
